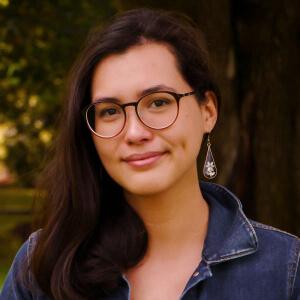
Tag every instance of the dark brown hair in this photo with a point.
(90, 234)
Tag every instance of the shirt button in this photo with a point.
(196, 274)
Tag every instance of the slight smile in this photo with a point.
(142, 160)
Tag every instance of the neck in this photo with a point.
(175, 219)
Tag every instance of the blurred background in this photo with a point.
(255, 56)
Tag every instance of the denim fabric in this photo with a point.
(241, 259)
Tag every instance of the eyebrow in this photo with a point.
(156, 88)
(152, 89)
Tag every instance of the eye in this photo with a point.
(159, 102)
(108, 112)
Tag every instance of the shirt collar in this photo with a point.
(230, 234)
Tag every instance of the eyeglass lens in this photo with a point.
(156, 110)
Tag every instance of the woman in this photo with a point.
(127, 218)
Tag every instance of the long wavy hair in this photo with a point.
(90, 234)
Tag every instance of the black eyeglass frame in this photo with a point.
(176, 96)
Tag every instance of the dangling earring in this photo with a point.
(210, 168)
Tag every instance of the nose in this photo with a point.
(135, 132)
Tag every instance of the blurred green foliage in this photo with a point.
(39, 40)
(14, 227)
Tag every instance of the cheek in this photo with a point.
(190, 132)
(184, 141)
(105, 151)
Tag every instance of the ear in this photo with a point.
(209, 111)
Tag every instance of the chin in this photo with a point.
(146, 188)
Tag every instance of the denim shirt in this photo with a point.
(241, 259)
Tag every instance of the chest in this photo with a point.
(160, 281)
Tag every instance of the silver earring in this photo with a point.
(210, 168)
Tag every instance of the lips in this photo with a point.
(144, 159)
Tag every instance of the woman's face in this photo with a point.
(142, 160)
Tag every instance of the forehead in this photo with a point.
(139, 68)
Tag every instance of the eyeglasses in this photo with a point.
(157, 110)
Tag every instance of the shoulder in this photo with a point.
(19, 283)
(277, 239)
(263, 228)
(31, 242)
(25, 251)
(282, 250)
(275, 260)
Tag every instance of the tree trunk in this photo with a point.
(268, 44)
